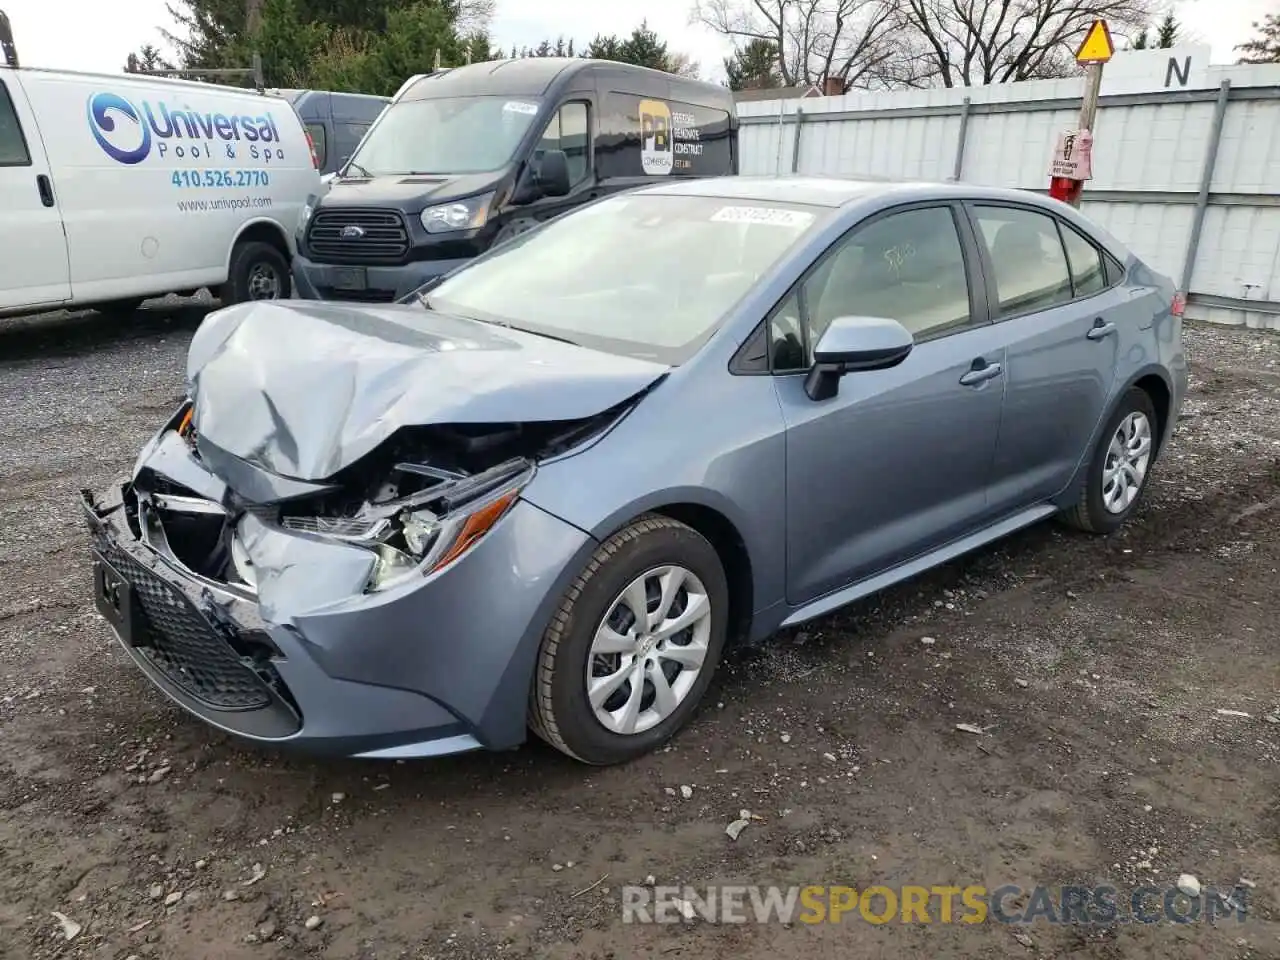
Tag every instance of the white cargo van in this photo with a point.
(115, 188)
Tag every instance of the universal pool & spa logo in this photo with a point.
(129, 133)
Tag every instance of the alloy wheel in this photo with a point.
(648, 650)
(1128, 456)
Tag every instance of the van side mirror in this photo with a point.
(553, 174)
(851, 344)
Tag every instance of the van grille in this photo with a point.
(385, 239)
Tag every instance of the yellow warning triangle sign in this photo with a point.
(1097, 46)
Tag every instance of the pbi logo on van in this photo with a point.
(129, 132)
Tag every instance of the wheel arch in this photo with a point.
(1153, 380)
(715, 519)
(261, 230)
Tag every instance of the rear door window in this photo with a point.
(1026, 254)
(13, 145)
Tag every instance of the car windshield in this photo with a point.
(448, 135)
(643, 275)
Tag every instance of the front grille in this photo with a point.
(182, 644)
(357, 296)
(385, 238)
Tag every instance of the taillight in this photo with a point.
(1179, 304)
(311, 145)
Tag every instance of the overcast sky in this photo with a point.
(98, 35)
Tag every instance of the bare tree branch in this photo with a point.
(818, 41)
(998, 41)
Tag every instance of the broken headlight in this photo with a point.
(431, 543)
(423, 533)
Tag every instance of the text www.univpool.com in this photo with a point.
(224, 203)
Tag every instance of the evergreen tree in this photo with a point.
(645, 49)
(147, 58)
(367, 46)
(753, 67)
(1265, 47)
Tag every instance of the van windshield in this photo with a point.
(446, 135)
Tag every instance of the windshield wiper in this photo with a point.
(352, 165)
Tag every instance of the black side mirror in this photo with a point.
(553, 174)
(855, 343)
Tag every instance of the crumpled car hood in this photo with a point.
(303, 389)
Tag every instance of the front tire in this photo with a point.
(1120, 466)
(612, 681)
(258, 272)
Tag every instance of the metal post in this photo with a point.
(777, 163)
(1206, 181)
(795, 143)
(964, 132)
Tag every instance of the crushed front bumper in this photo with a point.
(438, 667)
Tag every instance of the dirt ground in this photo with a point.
(1096, 667)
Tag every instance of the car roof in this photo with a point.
(829, 191)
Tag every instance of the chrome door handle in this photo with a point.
(981, 375)
(1101, 330)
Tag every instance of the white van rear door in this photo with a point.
(34, 270)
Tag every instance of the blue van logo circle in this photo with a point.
(128, 142)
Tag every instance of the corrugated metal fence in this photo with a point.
(1189, 177)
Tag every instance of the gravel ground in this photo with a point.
(1098, 670)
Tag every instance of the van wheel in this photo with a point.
(258, 272)
(120, 309)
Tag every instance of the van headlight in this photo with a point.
(466, 214)
(304, 218)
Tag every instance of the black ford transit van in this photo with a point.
(465, 158)
(335, 122)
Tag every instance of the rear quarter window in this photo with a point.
(650, 136)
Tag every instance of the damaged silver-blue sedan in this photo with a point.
(547, 491)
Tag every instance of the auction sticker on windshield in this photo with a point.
(768, 215)
(520, 106)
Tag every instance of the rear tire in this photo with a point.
(1120, 466)
(645, 694)
(258, 272)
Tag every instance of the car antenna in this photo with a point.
(7, 45)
